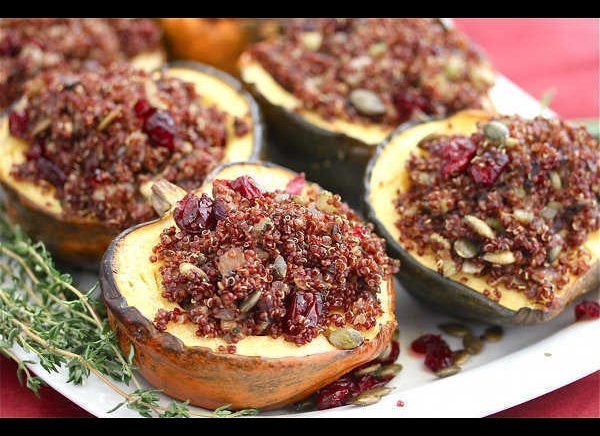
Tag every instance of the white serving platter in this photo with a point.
(526, 363)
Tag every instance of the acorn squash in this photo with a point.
(81, 242)
(263, 372)
(332, 150)
(461, 294)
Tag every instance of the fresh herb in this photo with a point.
(42, 312)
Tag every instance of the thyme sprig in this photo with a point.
(44, 313)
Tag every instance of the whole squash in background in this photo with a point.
(215, 41)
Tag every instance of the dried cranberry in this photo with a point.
(306, 304)
(9, 45)
(587, 310)
(394, 353)
(335, 394)
(219, 210)
(50, 172)
(456, 155)
(18, 122)
(246, 186)
(409, 100)
(421, 344)
(486, 169)
(143, 109)
(35, 151)
(369, 381)
(438, 356)
(194, 214)
(160, 127)
(294, 186)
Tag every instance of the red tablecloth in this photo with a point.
(537, 54)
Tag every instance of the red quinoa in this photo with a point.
(408, 66)
(518, 209)
(28, 46)
(97, 136)
(271, 264)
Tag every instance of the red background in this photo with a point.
(538, 55)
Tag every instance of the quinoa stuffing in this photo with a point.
(513, 203)
(383, 70)
(29, 46)
(98, 136)
(247, 262)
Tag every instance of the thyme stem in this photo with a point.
(36, 314)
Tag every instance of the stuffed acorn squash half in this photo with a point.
(81, 149)
(332, 89)
(495, 218)
(256, 290)
(32, 45)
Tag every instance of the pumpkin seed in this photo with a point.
(551, 210)
(304, 406)
(482, 76)
(455, 329)
(455, 67)
(469, 267)
(165, 195)
(199, 258)
(381, 391)
(345, 338)
(366, 102)
(519, 191)
(391, 369)
(472, 344)
(322, 202)
(436, 237)
(298, 199)
(230, 261)
(108, 119)
(496, 131)
(445, 23)
(264, 225)
(366, 399)
(250, 301)
(386, 352)
(555, 180)
(448, 371)
(511, 142)
(41, 126)
(377, 49)
(153, 95)
(311, 40)
(554, 253)
(460, 357)
(523, 216)
(465, 248)
(479, 226)
(280, 267)
(499, 257)
(424, 178)
(447, 267)
(368, 369)
(190, 270)
(495, 224)
(493, 333)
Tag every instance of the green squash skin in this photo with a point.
(333, 160)
(454, 298)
